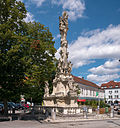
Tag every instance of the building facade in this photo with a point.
(89, 90)
(112, 92)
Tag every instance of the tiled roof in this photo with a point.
(111, 84)
(85, 82)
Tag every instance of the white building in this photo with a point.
(89, 90)
(112, 92)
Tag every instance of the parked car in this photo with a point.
(12, 105)
(19, 106)
(118, 111)
(1, 108)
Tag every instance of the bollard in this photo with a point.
(85, 112)
(46, 113)
(98, 110)
(13, 110)
(112, 112)
(53, 114)
(85, 115)
(32, 112)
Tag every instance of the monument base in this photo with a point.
(64, 87)
(60, 101)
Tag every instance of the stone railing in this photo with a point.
(61, 111)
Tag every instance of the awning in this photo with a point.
(81, 100)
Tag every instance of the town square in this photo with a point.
(59, 68)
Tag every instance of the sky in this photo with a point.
(93, 35)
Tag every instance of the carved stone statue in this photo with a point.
(63, 76)
(63, 25)
(46, 89)
(69, 67)
(63, 84)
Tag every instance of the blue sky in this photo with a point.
(93, 36)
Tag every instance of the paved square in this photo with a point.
(78, 124)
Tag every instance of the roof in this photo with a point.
(111, 84)
(85, 82)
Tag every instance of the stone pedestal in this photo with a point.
(60, 101)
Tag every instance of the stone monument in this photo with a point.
(64, 88)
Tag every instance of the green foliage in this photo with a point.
(87, 102)
(26, 54)
(103, 104)
(42, 53)
(94, 103)
(78, 92)
(12, 60)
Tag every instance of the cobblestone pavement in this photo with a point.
(72, 124)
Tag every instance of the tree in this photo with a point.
(42, 53)
(26, 51)
(13, 62)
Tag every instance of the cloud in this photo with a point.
(109, 67)
(96, 44)
(38, 2)
(57, 55)
(29, 17)
(103, 78)
(57, 37)
(106, 72)
(112, 64)
(75, 8)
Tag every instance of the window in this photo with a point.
(82, 90)
(116, 86)
(110, 92)
(116, 96)
(116, 91)
(86, 92)
(90, 93)
(110, 97)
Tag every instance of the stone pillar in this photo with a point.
(112, 112)
(53, 113)
(85, 112)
